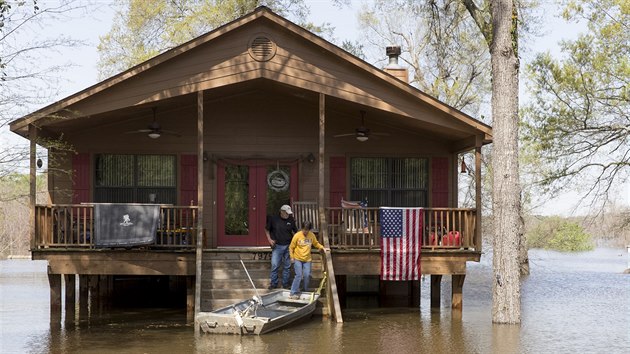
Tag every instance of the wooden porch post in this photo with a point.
(32, 134)
(70, 285)
(199, 253)
(83, 296)
(331, 290)
(457, 285)
(54, 281)
(436, 289)
(478, 144)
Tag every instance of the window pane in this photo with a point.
(236, 200)
(396, 182)
(368, 173)
(135, 179)
(156, 171)
(114, 170)
(409, 173)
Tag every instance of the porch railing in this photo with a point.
(72, 225)
(443, 228)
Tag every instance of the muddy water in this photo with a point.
(571, 303)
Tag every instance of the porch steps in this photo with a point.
(224, 281)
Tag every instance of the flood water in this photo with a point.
(571, 303)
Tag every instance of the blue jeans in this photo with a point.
(302, 275)
(280, 256)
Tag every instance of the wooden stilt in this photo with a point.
(415, 293)
(83, 296)
(102, 293)
(458, 286)
(54, 281)
(70, 301)
(382, 293)
(190, 298)
(342, 289)
(94, 298)
(436, 285)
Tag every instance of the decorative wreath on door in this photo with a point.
(278, 180)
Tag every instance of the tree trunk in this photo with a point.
(506, 299)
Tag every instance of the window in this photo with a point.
(383, 181)
(135, 179)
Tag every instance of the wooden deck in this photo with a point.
(64, 239)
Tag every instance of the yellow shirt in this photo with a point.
(300, 247)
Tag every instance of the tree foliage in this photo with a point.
(578, 124)
(27, 78)
(561, 235)
(14, 213)
(144, 28)
(438, 39)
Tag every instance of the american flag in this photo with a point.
(401, 234)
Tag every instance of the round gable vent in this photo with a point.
(261, 47)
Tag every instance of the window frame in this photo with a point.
(390, 189)
(135, 189)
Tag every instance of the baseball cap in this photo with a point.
(287, 209)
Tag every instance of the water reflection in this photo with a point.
(570, 303)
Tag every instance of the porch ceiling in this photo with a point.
(336, 108)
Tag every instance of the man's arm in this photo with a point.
(271, 241)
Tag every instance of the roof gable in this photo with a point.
(225, 56)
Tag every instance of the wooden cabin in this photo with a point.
(221, 131)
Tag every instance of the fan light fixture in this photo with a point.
(361, 137)
(154, 135)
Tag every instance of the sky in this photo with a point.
(88, 28)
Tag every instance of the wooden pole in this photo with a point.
(478, 193)
(457, 286)
(54, 281)
(70, 287)
(83, 296)
(436, 289)
(199, 253)
(32, 134)
(331, 290)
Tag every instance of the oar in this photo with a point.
(258, 298)
(321, 285)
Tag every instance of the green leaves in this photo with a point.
(578, 120)
(560, 235)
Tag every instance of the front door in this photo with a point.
(247, 193)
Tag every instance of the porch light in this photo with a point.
(463, 168)
(154, 135)
(310, 158)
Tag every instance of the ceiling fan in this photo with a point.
(362, 133)
(154, 130)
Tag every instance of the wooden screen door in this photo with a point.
(246, 193)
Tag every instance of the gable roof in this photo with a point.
(261, 14)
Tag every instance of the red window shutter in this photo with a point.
(439, 168)
(188, 180)
(337, 180)
(80, 178)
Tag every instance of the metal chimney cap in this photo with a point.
(393, 50)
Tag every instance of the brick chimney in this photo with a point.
(393, 68)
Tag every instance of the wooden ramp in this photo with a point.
(224, 281)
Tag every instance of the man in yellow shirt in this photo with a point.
(300, 252)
